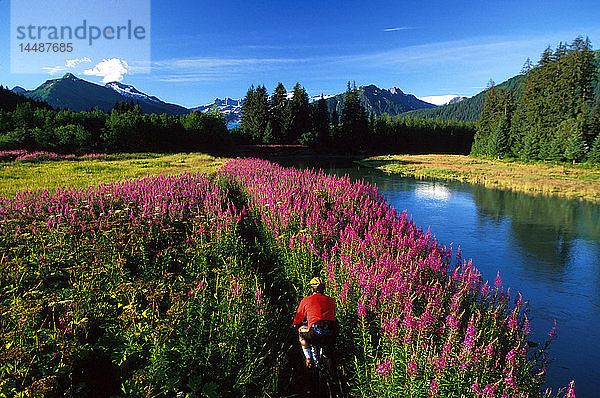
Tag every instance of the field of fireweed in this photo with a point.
(188, 283)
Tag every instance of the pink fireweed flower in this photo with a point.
(434, 389)
(526, 329)
(512, 321)
(411, 369)
(552, 333)
(509, 381)
(498, 281)
(489, 390)
(571, 390)
(384, 369)
(484, 289)
(361, 309)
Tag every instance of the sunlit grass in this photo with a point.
(574, 182)
(50, 175)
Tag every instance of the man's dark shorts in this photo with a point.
(322, 333)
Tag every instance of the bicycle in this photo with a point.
(323, 384)
(323, 372)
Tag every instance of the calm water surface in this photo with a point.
(546, 248)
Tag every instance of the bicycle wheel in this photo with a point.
(322, 384)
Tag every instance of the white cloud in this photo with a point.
(110, 70)
(54, 70)
(397, 28)
(71, 63)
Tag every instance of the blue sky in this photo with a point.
(206, 49)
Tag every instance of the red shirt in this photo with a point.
(315, 307)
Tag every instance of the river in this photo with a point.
(546, 248)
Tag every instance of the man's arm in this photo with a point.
(300, 313)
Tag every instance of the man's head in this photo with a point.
(317, 285)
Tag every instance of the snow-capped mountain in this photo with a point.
(71, 92)
(440, 100)
(231, 108)
(130, 92)
(379, 101)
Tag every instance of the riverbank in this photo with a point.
(572, 182)
(79, 173)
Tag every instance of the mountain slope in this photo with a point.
(70, 92)
(380, 101)
(467, 110)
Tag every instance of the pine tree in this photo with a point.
(594, 154)
(248, 111)
(557, 90)
(320, 123)
(298, 116)
(497, 112)
(335, 117)
(527, 66)
(278, 109)
(255, 113)
(355, 124)
(531, 147)
(593, 128)
(575, 149)
(269, 137)
(498, 144)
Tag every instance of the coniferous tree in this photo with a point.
(298, 115)
(493, 127)
(255, 113)
(278, 109)
(269, 137)
(498, 143)
(527, 66)
(575, 149)
(355, 124)
(248, 111)
(594, 154)
(320, 123)
(335, 117)
(555, 96)
(593, 127)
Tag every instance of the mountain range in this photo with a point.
(73, 93)
(379, 101)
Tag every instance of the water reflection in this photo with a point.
(548, 232)
(433, 191)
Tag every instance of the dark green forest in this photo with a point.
(32, 125)
(554, 114)
(279, 120)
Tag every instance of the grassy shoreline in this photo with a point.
(51, 175)
(571, 182)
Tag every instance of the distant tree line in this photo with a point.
(275, 119)
(554, 114)
(283, 119)
(25, 124)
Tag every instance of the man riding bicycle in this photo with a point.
(321, 327)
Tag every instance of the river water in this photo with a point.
(546, 248)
